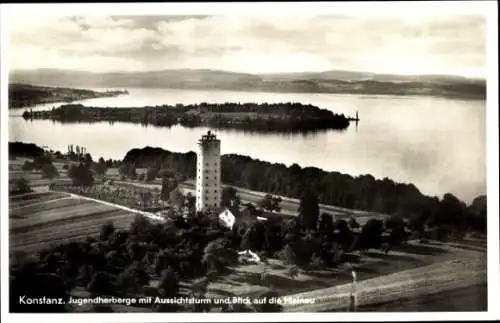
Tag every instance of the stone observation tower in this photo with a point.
(208, 176)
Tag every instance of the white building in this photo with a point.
(208, 176)
(227, 218)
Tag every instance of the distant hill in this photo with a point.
(309, 82)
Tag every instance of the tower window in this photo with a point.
(206, 177)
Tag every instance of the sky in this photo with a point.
(446, 43)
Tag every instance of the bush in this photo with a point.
(28, 166)
(81, 175)
(49, 171)
(21, 187)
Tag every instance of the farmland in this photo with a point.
(39, 220)
(42, 219)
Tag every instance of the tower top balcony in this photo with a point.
(207, 138)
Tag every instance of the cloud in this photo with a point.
(448, 44)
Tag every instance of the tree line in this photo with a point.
(363, 192)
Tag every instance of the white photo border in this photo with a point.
(487, 8)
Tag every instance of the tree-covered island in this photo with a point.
(246, 116)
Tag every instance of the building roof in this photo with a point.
(240, 217)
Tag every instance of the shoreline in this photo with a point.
(41, 94)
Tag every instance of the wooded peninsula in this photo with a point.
(279, 117)
(26, 95)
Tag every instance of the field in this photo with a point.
(247, 280)
(38, 220)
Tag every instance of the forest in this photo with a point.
(363, 192)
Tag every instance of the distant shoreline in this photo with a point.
(27, 95)
(327, 82)
(454, 96)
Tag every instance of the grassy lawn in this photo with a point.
(246, 280)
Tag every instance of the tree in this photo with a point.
(293, 271)
(168, 287)
(85, 274)
(167, 186)
(191, 200)
(451, 215)
(127, 283)
(139, 226)
(87, 161)
(255, 237)
(100, 167)
(287, 255)
(177, 198)
(169, 283)
(151, 174)
(325, 224)
(28, 166)
(107, 230)
(49, 171)
(29, 280)
(476, 214)
(81, 175)
(128, 169)
(229, 198)
(133, 279)
(101, 284)
(41, 160)
(371, 235)
(21, 186)
(146, 197)
(217, 255)
(270, 203)
(397, 228)
(309, 209)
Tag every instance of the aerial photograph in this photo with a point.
(224, 163)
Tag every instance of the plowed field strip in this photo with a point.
(31, 209)
(98, 212)
(70, 229)
(18, 201)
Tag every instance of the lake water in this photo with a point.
(436, 143)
